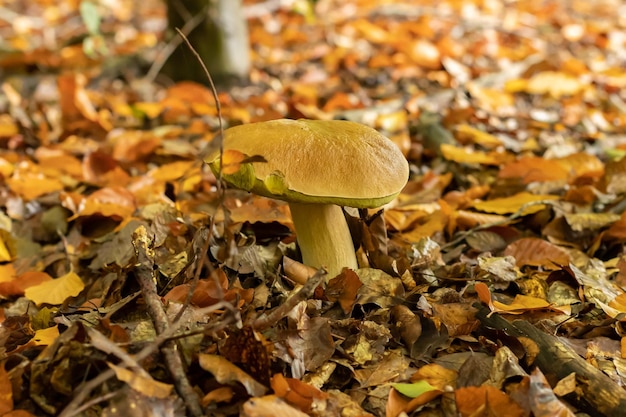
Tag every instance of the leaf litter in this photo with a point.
(506, 242)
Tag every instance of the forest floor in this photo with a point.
(493, 285)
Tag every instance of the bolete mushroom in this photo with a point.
(317, 166)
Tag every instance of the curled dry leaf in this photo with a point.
(344, 288)
(227, 373)
(270, 406)
(297, 393)
(142, 382)
(470, 400)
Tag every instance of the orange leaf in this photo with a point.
(231, 161)
(296, 392)
(537, 252)
(490, 400)
(6, 391)
(535, 169)
(17, 284)
(344, 288)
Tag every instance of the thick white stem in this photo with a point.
(324, 237)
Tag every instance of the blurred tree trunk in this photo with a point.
(221, 39)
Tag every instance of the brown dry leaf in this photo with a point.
(344, 288)
(407, 323)
(56, 291)
(615, 176)
(458, 317)
(264, 210)
(101, 168)
(18, 413)
(270, 406)
(227, 373)
(468, 156)
(6, 391)
(590, 221)
(210, 291)
(617, 231)
(543, 401)
(467, 219)
(396, 403)
(537, 252)
(391, 367)
(249, 350)
(526, 202)
(133, 146)
(142, 382)
(295, 392)
(486, 401)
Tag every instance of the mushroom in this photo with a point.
(317, 166)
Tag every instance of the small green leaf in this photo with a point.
(413, 390)
(90, 15)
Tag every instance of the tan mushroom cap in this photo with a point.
(317, 161)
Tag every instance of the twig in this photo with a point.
(220, 189)
(74, 407)
(145, 275)
(266, 320)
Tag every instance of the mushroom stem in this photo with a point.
(323, 236)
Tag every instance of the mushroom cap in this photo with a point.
(316, 161)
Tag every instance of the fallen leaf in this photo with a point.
(525, 203)
(56, 291)
(227, 373)
(142, 382)
(270, 406)
(486, 400)
(537, 252)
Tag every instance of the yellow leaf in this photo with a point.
(464, 156)
(231, 161)
(45, 337)
(142, 383)
(515, 203)
(55, 292)
(5, 243)
(467, 134)
(556, 84)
